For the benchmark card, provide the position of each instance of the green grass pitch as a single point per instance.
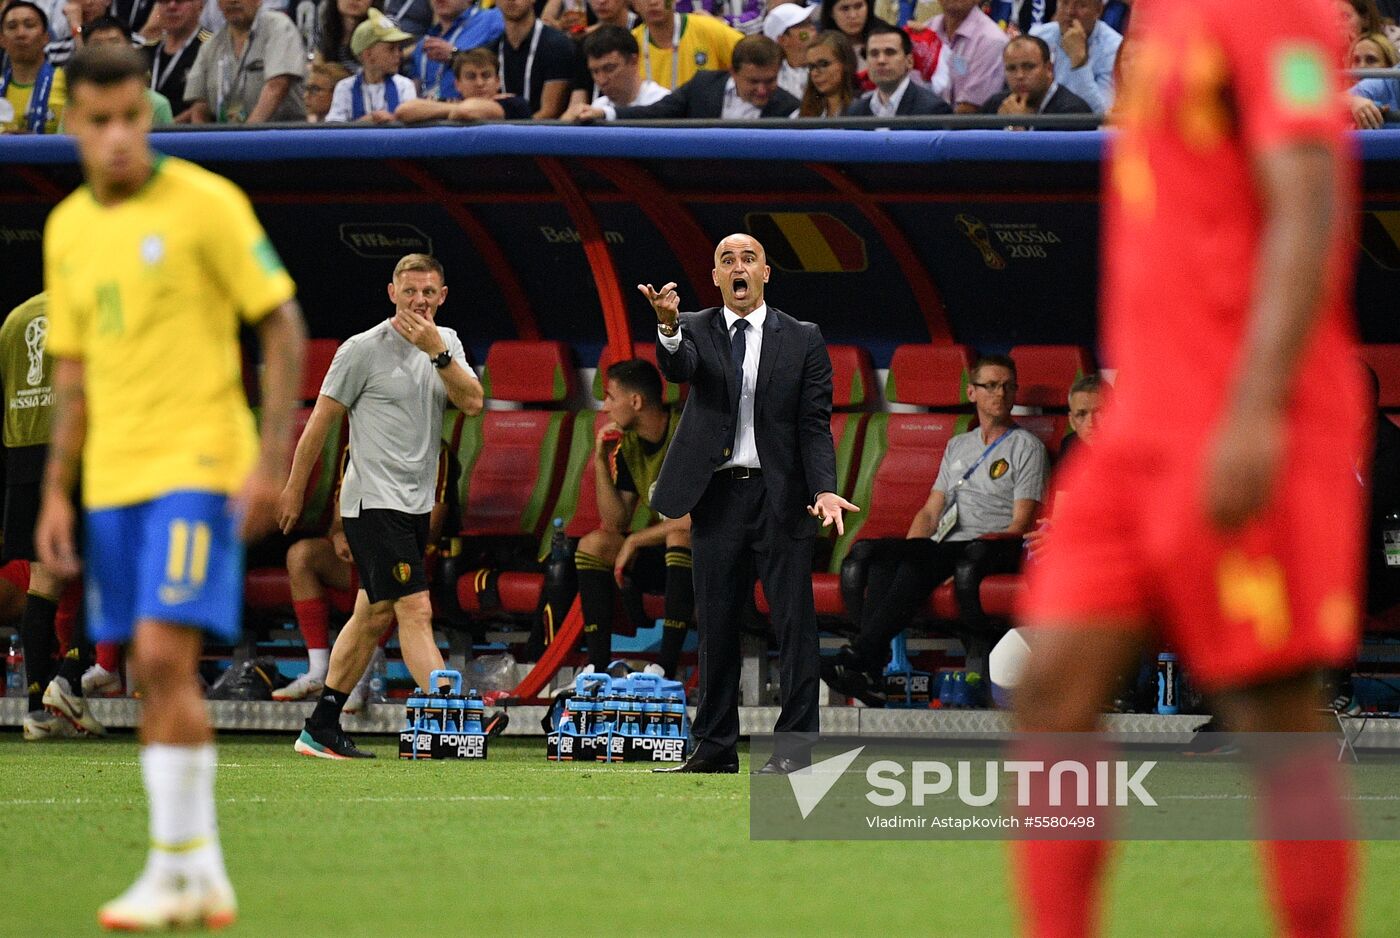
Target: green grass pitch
(520, 846)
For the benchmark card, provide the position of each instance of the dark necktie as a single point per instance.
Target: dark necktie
(736, 356)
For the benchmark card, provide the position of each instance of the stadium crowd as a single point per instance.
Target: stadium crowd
(409, 61)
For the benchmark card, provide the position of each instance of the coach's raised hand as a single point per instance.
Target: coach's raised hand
(666, 302)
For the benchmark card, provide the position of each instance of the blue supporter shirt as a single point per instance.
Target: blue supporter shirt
(475, 27)
(1383, 91)
(1092, 81)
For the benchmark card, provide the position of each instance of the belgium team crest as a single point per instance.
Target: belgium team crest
(402, 571)
(999, 468)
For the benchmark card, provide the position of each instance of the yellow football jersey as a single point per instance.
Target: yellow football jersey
(18, 96)
(706, 44)
(148, 294)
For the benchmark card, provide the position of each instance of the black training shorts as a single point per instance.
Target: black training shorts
(389, 546)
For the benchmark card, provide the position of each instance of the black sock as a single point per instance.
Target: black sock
(327, 712)
(72, 666)
(40, 645)
(680, 608)
(597, 597)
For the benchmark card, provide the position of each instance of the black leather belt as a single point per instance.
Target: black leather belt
(739, 472)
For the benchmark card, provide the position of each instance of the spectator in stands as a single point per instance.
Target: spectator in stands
(78, 14)
(1358, 18)
(1030, 80)
(614, 80)
(832, 85)
(890, 52)
(973, 44)
(600, 13)
(627, 455)
(412, 16)
(1373, 50)
(477, 95)
(251, 71)
(744, 15)
(336, 22)
(575, 17)
(750, 91)
(321, 79)
(376, 93)
(107, 31)
(790, 26)
(536, 61)
(32, 89)
(676, 46)
(989, 488)
(855, 19)
(457, 25)
(174, 51)
(1085, 49)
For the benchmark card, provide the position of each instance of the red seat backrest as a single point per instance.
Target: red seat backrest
(515, 477)
(930, 375)
(1044, 373)
(913, 453)
(852, 376)
(586, 517)
(1050, 428)
(531, 372)
(315, 363)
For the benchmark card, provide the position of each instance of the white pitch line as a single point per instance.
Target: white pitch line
(377, 799)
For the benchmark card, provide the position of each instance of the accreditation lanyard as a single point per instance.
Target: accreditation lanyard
(36, 117)
(160, 76)
(675, 50)
(227, 88)
(357, 96)
(529, 60)
(428, 70)
(949, 518)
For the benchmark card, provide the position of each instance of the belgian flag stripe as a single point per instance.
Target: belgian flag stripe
(814, 254)
(781, 255)
(845, 245)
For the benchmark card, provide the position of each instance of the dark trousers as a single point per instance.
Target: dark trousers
(885, 582)
(733, 535)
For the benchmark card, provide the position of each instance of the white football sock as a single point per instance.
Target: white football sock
(319, 662)
(180, 787)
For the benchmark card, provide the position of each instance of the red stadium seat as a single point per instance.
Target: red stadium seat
(315, 363)
(1385, 362)
(930, 375)
(1051, 429)
(530, 372)
(1045, 373)
(852, 377)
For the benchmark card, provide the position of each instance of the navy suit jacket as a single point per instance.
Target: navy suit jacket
(792, 415)
(917, 100)
(703, 97)
(1063, 101)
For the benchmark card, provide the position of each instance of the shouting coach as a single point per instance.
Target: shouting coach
(751, 460)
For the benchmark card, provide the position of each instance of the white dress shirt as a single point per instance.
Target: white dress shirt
(745, 448)
(881, 108)
(736, 108)
(648, 92)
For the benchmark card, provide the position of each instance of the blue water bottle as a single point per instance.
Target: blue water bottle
(674, 715)
(473, 714)
(1168, 684)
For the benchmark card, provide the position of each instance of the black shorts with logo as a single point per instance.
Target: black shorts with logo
(389, 546)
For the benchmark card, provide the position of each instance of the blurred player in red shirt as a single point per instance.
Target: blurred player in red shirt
(1220, 504)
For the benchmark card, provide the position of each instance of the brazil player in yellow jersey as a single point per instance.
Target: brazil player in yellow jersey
(144, 328)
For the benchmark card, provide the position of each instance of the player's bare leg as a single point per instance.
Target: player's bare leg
(184, 882)
(420, 652)
(1313, 881)
(1058, 694)
(354, 646)
(312, 567)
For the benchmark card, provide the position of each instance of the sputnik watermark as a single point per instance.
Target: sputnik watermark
(1118, 783)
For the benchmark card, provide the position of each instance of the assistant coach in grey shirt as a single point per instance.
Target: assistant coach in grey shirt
(394, 381)
(989, 488)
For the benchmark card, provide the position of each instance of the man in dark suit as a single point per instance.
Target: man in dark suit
(1030, 76)
(889, 52)
(747, 92)
(751, 460)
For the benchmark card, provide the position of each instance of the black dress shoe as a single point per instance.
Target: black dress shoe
(781, 765)
(713, 766)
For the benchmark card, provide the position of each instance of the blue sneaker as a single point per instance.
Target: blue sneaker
(957, 691)
(945, 689)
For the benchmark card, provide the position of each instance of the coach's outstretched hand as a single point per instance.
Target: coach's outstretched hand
(666, 302)
(829, 508)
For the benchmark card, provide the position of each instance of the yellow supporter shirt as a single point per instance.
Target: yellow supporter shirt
(148, 294)
(18, 96)
(705, 45)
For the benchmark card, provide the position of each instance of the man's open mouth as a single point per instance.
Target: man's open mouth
(740, 286)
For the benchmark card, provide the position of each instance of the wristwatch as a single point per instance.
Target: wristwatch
(669, 331)
(442, 359)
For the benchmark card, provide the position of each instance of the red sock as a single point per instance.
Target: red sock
(313, 618)
(1311, 883)
(109, 655)
(65, 620)
(1059, 886)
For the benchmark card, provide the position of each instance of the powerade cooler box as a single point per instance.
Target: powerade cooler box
(639, 718)
(444, 726)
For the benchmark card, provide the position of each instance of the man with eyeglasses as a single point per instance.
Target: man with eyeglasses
(172, 55)
(988, 491)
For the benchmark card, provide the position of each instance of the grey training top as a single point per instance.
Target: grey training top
(231, 84)
(396, 401)
(1016, 469)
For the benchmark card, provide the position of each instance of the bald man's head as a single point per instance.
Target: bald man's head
(741, 270)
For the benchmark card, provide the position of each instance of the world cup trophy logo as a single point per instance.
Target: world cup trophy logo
(976, 232)
(34, 335)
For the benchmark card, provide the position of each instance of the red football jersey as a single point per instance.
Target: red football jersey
(1209, 87)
